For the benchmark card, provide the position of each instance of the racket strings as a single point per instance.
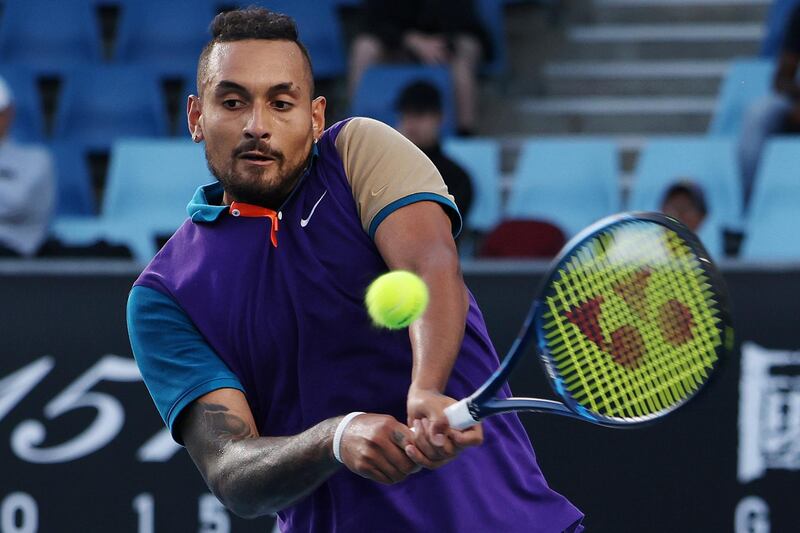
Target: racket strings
(632, 325)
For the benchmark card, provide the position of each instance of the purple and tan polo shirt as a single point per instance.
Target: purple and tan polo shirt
(273, 306)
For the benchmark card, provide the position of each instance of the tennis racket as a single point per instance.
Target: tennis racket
(630, 322)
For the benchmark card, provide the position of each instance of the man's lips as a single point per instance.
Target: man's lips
(256, 158)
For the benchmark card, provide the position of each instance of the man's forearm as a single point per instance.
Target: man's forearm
(254, 476)
(436, 338)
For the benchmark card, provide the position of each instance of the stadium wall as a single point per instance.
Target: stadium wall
(82, 448)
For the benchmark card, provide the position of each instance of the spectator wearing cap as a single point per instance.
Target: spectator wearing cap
(777, 113)
(686, 202)
(27, 188)
(431, 32)
(420, 120)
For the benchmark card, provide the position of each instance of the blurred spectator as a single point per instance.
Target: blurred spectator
(27, 188)
(420, 112)
(686, 202)
(432, 32)
(777, 113)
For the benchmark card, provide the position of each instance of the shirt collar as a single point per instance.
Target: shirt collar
(206, 204)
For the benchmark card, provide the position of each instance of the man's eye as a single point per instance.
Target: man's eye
(280, 104)
(232, 104)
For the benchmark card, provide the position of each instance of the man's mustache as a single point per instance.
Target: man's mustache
(256, 145)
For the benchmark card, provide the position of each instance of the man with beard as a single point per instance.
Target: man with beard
(251, 334)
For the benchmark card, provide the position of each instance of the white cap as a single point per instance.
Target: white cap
(6, 98)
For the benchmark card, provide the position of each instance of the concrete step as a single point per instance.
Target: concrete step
(634, 78)
(662, 41)
(679, 11)
(611, 116)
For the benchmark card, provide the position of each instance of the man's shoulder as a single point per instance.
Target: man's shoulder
(172, 257)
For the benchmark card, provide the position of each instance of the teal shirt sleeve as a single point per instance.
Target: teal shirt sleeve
(177, 364)
(448, 206)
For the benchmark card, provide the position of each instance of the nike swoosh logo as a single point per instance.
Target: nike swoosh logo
(304, 221)
(378, 191)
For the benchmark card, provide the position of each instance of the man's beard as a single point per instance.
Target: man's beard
(250, 187)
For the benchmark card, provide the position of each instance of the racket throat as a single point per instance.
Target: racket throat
(534, 405)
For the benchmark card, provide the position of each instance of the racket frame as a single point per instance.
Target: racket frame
(484, 402)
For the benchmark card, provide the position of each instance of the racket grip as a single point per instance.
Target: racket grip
(458, 415)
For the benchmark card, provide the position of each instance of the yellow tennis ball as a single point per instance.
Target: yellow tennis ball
(396, 299)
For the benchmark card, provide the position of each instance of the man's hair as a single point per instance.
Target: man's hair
(419, 97)
(250, 23)
(690, 189)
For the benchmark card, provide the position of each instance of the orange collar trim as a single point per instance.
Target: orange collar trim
(239, 209)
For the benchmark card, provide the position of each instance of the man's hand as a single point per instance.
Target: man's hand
(436, 443)
(379, 448)
(430, 49)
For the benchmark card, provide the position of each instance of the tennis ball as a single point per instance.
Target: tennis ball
(396, 299)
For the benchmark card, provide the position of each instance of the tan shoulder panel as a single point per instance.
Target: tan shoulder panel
(382, 167)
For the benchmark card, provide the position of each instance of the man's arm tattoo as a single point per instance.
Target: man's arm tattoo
(256, 475)
(224, 425)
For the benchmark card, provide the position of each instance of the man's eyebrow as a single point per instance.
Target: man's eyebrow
(283, 88)
(226, 86)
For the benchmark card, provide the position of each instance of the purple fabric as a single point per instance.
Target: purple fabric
(291, 324)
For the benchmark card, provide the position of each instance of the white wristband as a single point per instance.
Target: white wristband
(337, 437)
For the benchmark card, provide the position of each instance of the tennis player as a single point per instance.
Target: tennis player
(251, 334)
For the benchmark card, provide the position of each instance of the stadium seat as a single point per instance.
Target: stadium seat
(101, 103)
(523, 239)
(746, 81)
(481, 159)
(774, 218)
(380, 86)
(150, 183)
(49, 35)
(28, 123)
(568, 182)
(320, 31)
(775, 26)
(708, 161)
(74, 185)
(165, 35)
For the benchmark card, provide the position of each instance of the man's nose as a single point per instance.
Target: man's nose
(256, 127)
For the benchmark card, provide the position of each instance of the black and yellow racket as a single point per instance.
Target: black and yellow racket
(630, 323)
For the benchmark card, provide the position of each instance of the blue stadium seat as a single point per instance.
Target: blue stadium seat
(74, 185)
(491, 13)
(774, 218)
(380, 86)
(165, 35)
(481, 159)
(708, 161)
(150, 183)
(746, 81)
(28, 123)
(775, 26)
(49, 35)
(101, 103)
(568, 182)
(320, 31)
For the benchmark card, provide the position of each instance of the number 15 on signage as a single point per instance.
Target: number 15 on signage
(27, 437)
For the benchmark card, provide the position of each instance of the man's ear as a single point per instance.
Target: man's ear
(194, 114)
(318, 116)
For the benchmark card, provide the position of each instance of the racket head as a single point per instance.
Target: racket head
(632, 319)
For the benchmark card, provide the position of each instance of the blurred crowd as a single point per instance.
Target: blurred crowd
(430, 37)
